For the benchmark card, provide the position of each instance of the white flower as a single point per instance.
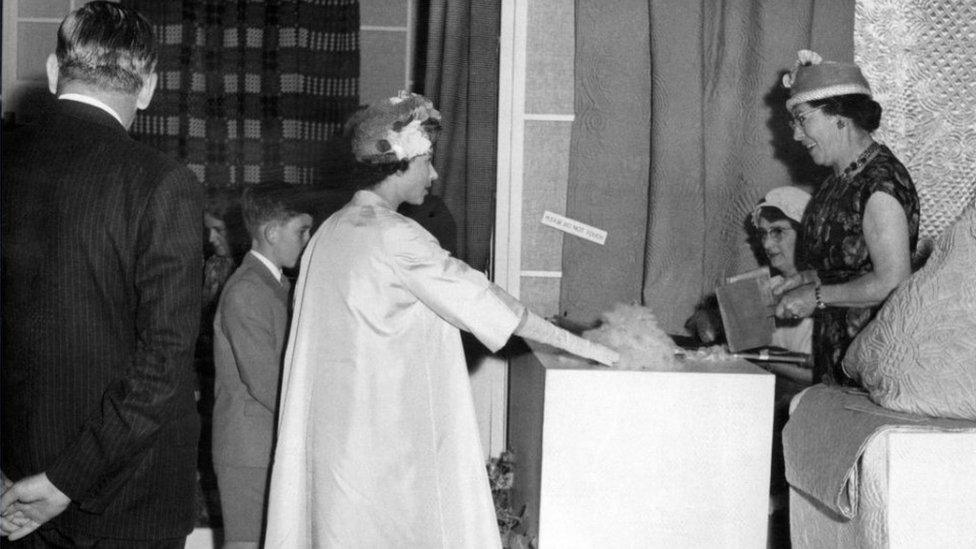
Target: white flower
(807, 57)
(804, 58)
(409, 142)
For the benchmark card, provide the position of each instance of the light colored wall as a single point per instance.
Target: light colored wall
(386, 42)
(536, 117)
(548, 122)
(29, 31)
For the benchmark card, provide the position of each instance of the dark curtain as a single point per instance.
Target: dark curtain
(461, 78)
(251, 91)
(680, 130)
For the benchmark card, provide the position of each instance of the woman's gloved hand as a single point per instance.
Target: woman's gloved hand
(536, 328)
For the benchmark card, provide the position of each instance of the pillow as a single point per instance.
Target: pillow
(919, 354)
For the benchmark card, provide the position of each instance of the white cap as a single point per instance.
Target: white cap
(790, 200)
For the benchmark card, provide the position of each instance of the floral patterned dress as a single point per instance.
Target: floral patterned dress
(216, 270)
(832, 242)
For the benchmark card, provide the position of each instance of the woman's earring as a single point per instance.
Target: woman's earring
(841, 124)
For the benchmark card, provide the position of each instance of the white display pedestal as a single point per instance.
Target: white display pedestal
(615, 458)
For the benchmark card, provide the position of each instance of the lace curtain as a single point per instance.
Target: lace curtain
(918, 56)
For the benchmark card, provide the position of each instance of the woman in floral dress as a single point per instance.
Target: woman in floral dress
(860, 229)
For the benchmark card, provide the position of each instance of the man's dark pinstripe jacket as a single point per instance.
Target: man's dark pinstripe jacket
(101, 286)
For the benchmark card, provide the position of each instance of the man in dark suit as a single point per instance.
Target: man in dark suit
(101, 297)
(250, 328)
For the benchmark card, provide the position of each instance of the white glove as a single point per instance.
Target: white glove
(513, 304)
(536, 328)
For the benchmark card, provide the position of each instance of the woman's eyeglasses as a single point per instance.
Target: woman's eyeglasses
(799, 119)
(776, 233)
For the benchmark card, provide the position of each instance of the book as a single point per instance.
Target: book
(747, 308)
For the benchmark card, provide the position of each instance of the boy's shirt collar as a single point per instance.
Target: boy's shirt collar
(275, 270)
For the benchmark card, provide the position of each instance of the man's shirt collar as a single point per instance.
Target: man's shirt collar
(91, 101)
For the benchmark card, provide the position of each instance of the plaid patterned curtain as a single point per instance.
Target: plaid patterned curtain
(251, 90)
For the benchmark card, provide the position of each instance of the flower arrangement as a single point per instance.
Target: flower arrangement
(501, 478)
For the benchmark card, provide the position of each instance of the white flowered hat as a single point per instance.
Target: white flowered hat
(790, 200)
(813, 78)
(398, 128)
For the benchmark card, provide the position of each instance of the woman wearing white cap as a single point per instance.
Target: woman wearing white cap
(378, 444)
(860, 228)
(777, 222)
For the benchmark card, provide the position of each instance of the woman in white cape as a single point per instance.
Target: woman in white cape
(378, 443)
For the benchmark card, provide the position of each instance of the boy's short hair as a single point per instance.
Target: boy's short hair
(106, 45)
(269, 203)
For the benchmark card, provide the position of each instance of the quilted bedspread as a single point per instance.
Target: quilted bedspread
(827, 434)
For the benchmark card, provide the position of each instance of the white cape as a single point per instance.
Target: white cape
(378, 444)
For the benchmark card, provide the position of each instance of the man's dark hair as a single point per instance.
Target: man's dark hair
(106, 45)
(270, 202)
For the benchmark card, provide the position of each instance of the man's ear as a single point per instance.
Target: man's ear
(147, 91)
(52, 73)
(270, 232)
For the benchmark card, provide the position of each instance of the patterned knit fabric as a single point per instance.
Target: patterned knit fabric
(250, 91)
(918, 56)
